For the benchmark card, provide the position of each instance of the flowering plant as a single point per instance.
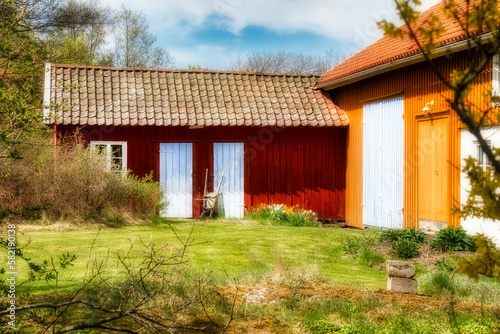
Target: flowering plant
(281, 214)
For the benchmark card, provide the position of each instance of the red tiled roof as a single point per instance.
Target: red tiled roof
(82, 95)
(388, 49)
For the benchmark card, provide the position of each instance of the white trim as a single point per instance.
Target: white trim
(46, 94)
(417, 58)
(495, 82)
(108, 151)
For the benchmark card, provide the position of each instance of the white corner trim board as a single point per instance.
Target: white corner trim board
(46, 94)
(469, 148)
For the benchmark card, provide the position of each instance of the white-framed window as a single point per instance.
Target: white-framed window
(496, 78)
(481, 157)
(115, 152)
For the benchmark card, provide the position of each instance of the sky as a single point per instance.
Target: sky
(214, 33)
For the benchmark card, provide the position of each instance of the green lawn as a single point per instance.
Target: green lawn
(244, 250)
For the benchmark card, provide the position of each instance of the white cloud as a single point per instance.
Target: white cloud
(206, 56)
(337, 19)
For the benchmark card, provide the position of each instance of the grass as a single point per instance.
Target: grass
(308, 268)
(246, 251)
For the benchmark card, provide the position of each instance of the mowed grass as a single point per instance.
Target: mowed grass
(242, 250)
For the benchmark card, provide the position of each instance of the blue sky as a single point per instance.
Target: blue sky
(213, 33)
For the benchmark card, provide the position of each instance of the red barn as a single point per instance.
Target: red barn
(279, 139)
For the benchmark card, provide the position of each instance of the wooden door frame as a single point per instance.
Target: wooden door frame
(436, 115)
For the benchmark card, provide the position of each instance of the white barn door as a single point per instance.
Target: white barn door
(383, 156)
(230, 157)
(176, 170)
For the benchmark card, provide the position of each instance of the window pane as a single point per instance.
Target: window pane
(116, 164)
(100, 148)
(116, 151)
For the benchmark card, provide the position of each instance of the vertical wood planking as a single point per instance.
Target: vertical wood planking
(295, 165)
(419, 85)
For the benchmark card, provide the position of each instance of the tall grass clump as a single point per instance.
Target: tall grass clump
(453, 239)
(411, 234)
(71, 181)
(280, 214)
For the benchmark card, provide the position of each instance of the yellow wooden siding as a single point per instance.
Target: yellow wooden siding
(419, 85)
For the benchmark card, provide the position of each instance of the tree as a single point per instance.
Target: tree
(480, 23)
(80, 40)
(21, 73)
(287, 62)
(134, 44)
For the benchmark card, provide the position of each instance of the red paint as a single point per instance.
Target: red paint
(304, 166)
(54, 136)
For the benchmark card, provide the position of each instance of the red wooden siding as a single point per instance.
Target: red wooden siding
(304, 166)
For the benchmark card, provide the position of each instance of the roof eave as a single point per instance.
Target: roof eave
(410, 60)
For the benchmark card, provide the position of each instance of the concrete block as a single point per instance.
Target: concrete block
(400, 269)
(402, 285)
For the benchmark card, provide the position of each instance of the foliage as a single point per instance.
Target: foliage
(412, 234)
(287, 62)
(323, 327)
(370, 258)
(81, 39)
(135, 44)
(453, 239)
(70, 181)
(356, 245)
(280, 214)
(406, 248)
(21, 61)
(486, 263)
(119, 294)
(448, 263)
(442, 282)
(483, 199)
(362, 248)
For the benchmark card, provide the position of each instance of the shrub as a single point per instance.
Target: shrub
(363, 249)
(69, 181)
(453, 239)
(370, 258)
(412, 234)
(323, 327)
(354, 246)
(280, 214)
(406, 248)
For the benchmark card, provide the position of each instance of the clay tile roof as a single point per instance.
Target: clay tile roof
(388, 49)
(85, 95)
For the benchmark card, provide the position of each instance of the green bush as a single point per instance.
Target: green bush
(406, 248)
(412, 234)
(370, 258)
(354, 246)
(437, 282)
(453, 239)
(323, 327)
(363, 249)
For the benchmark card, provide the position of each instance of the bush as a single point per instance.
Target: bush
(453, 239)
(280, 214)
(406, 248)
(354, 246)
(363, 249)
(370, 258)
(412, 234)
(69, 181)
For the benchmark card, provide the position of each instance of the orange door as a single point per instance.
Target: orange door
(433, 170)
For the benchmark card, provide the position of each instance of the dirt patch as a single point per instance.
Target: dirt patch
(270, 294)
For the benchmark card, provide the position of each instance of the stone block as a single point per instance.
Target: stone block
(400, 269)
(402, 285)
